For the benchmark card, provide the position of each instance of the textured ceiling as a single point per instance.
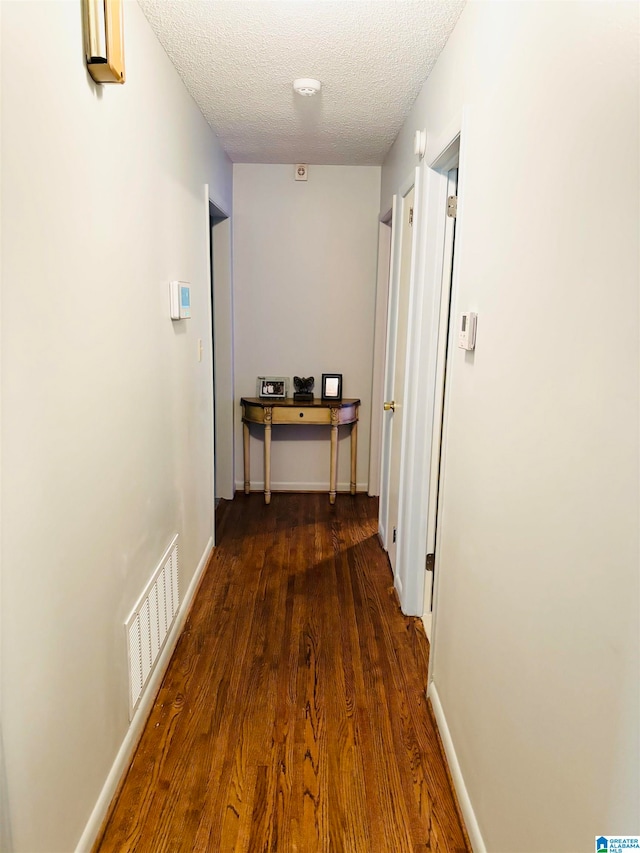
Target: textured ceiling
(238, 58)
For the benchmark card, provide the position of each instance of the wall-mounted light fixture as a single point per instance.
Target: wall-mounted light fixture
(104, 40)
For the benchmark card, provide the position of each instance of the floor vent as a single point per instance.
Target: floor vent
(150, 622)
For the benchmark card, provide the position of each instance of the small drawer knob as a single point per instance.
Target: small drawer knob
(301, 414)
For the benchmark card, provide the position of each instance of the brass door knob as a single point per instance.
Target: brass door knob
(390, 406)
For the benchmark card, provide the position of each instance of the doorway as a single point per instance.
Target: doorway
(222, 352)
(424, 360)
(442, 360)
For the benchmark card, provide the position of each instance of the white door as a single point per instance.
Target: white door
(379, 347)
(444, 335)
(395, 375)
(390, 336)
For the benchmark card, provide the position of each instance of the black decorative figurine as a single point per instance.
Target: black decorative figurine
(304, 388)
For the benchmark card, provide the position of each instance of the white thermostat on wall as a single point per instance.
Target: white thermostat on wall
(467, 331)
(180, 300)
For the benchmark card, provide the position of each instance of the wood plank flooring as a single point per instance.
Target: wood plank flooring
(293, 716)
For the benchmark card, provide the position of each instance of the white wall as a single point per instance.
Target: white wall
(106, 411)
(304, 302)
(5, 829)
(537, 635)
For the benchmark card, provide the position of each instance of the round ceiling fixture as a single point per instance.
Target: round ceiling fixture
(306, 86)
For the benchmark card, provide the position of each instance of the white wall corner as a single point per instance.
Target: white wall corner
(466, 806)
(134, 732)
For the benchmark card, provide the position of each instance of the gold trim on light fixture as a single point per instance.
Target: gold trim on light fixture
(104, 40)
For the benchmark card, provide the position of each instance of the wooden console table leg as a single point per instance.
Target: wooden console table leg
(354, 455)
(267, 454)
(333, 470)
(247, 478)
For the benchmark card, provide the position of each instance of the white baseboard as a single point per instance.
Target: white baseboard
(473, 830)
(258, 486)
(130, 742)
(398, 585)
(427, 621)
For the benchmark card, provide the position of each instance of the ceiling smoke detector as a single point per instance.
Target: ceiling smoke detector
(306, 86)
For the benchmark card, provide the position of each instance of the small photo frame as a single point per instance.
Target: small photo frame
(273, 387)
(332, 386)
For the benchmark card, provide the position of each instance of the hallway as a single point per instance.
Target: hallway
(293, 714)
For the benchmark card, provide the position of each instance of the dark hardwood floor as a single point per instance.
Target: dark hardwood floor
(293, 714)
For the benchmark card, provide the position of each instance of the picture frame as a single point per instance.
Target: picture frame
(272, 387)
(332, 386)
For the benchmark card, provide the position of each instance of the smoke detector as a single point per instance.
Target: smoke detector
(306, 86)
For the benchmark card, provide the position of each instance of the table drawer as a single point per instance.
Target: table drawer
(302, 415)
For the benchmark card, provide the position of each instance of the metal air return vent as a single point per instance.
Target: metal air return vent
(149, 623)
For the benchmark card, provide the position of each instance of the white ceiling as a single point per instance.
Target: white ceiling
(238, 58)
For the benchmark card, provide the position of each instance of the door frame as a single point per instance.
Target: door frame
(446, 152)
(222, 351)
(442, 363)
(443, 153)
(213, 210)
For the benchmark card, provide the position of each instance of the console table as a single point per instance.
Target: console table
(267, 413)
